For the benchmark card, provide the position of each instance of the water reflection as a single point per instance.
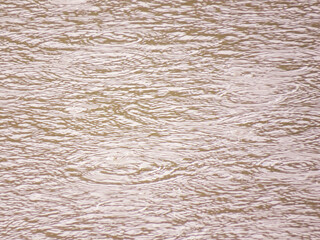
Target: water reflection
(180, 120)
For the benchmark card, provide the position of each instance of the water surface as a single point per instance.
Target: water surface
(159, 120)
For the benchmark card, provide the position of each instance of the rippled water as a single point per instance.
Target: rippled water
(159, 120)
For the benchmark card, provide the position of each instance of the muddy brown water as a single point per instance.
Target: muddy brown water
(159, 119)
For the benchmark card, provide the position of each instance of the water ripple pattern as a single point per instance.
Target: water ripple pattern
(159, 120)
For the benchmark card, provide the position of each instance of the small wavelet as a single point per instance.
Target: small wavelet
(68, 2)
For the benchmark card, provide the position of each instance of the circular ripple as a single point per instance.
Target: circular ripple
(124, 168)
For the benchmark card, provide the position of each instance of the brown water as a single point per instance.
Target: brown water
(160, 120)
